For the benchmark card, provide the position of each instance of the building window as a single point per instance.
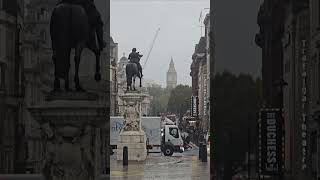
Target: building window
(10, 44)
(39, 16)
(174, 132)
(1, 79)
(1, 52)
(43, 13)
(2, 76)
(318, 10)
(287, 67)
(318, 86)
(43, 35)
(313, 140)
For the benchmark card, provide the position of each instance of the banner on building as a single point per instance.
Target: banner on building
(270, 141)
(194, 106)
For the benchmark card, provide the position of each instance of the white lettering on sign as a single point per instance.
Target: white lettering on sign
(194, 105)
(271, 162)
(304, 99)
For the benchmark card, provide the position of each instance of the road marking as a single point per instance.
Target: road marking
(125, 174)
(167, 163)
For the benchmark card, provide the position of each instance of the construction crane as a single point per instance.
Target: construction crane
(154, 39)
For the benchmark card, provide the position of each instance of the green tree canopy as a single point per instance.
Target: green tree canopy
(179, 100)
(159, 102)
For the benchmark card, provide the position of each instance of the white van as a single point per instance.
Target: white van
(171, 140)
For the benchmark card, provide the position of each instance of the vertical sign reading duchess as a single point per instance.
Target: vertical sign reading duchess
(271, 141)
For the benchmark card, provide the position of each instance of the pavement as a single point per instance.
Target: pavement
(179, 166)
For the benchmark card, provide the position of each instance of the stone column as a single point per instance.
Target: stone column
(132, 134)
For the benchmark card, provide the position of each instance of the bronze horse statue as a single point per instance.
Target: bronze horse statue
(70, 29)
(132, 72)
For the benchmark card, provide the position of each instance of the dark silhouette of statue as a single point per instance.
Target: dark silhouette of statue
(94, 18)
(133, 69)
(73, 27)
(134, 57)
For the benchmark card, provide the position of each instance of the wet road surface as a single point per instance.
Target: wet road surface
(180, 166)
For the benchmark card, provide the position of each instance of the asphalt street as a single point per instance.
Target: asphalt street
(180, 166)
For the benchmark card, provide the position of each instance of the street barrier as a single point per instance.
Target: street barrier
(125, 156)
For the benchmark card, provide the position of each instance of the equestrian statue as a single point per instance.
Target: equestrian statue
(75, 24)
(133, 69)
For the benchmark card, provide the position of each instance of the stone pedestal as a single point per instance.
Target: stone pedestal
(136, 143)
(71, 125)
(132, 134)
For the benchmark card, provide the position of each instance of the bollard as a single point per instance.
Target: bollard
(204, 153)
(125, 156)
(200, 151)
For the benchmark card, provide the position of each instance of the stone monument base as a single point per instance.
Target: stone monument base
(72, 125)
(136, 143)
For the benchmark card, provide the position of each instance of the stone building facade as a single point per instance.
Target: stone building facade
(269, 39)
(270, 21)
(113, 77)
(38, 72)
(296, 72)
(12, 143)
(210, 66)
(121, 78)
(289, 69)
(295, 46)
(199, 77)
(314, 91)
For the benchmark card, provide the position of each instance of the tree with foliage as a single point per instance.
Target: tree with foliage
(179, 100)
(159, 102)
(235, 112)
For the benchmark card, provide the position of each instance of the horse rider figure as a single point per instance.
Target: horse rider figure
(134, 57)
(94, 17)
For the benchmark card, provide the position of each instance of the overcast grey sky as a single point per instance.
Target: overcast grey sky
(235, 28)
(134, 23)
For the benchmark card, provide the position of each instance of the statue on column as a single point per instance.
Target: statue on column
(133, 70)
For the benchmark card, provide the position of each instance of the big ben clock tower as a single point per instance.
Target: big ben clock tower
(171, 76)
